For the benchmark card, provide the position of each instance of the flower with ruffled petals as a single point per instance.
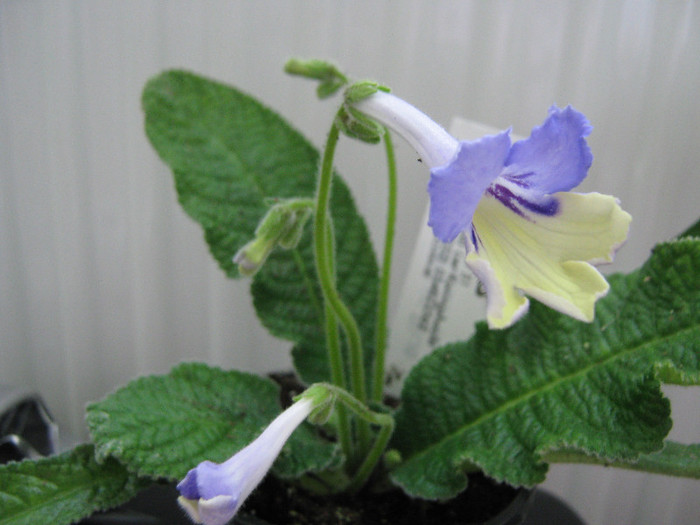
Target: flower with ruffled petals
(525, 232)
(212, 493)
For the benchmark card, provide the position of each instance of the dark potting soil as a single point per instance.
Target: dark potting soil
(282, 504)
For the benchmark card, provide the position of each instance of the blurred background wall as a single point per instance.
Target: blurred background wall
(103, 277)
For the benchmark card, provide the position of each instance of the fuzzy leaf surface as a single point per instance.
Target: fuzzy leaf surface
(63, 489)
(672, 459)
(161, 426)
(505, 398)
(229, 153)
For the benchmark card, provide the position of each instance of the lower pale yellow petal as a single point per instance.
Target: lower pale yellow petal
(546, 257)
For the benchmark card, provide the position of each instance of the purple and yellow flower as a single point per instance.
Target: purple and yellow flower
(526, 234)
(212, 493)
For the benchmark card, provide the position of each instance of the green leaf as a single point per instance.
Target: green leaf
(230, 155)
(505, 398)
(692, 231)
(675, 459)
(63, 489)
(162, 426)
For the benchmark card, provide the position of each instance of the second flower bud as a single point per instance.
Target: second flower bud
(282, 225)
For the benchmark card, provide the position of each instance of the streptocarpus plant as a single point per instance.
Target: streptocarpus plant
(573, 376)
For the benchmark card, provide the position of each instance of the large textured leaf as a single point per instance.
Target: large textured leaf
(63, 489)
(228, 154)
(162, 426)
(505, 398)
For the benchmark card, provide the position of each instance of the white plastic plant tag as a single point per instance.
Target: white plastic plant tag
(440, 300)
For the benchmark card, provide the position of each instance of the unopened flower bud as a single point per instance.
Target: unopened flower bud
(282, 225)
(331, 79)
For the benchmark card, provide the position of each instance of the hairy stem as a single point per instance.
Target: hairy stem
(335, 359)
(324, 257)
(383, 303)
(337, 398)
(338, 379)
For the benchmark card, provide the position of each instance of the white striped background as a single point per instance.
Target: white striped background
(103, 277)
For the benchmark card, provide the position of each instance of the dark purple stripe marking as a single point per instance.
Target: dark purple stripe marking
(474, 240)
(548, 207)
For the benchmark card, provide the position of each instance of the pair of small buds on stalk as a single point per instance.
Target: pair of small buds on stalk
(349, 120)
(284, 222)
(282, 225)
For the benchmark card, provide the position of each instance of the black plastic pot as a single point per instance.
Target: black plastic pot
(529, 507)
(157, 506)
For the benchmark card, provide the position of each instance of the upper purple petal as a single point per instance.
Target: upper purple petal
(555, 157)
(456, 188)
